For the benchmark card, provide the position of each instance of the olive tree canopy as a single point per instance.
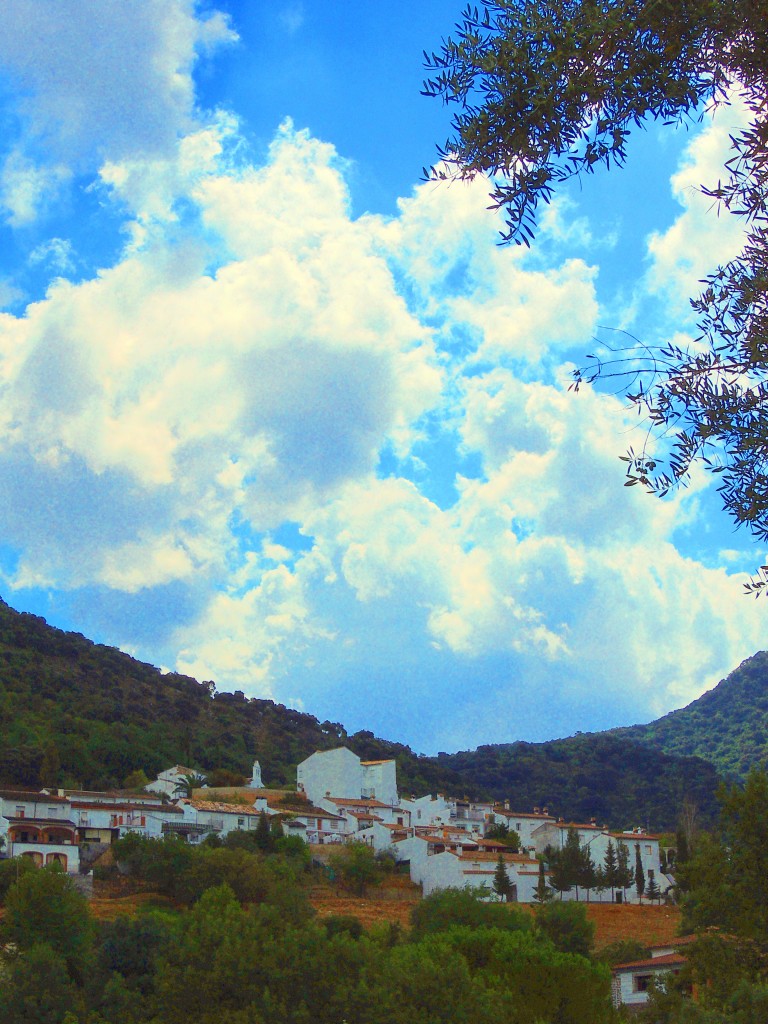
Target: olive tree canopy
(547, 90)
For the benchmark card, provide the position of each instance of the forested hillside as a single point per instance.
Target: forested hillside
(611, 778)
(74, 713)
(77, 713)
(728, 725)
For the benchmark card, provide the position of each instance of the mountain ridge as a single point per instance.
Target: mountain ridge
(727, 725)
(75, 713)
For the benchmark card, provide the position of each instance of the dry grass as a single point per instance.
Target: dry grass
(396, 898)
(108, 908)
(648, 924)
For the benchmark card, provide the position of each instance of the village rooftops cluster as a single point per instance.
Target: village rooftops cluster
(339, 798)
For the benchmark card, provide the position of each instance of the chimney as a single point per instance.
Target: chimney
(506, 805)
(545, 810)
(537, 810)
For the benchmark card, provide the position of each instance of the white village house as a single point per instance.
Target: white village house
(339, 798)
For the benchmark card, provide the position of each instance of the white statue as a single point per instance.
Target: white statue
(256, 782)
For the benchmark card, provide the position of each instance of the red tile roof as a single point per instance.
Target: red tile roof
(670, 960)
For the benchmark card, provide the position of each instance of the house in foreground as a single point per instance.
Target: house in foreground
(632, 981)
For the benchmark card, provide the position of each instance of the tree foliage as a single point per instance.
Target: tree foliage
(544, 92)
(567, 926)
(502, 883)
(726, 878)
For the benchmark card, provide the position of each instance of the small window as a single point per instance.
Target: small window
(51, 812)
(240, 822)
(518, 826)
(641, 982)
(649, 849)
(19, 811)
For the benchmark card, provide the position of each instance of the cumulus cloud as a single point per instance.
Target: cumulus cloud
(95, 81)
(100, 78)
(246, 364)
(261, 388)
(701, 237)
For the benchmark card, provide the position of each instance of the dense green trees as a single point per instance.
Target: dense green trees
(572, 866)
(566, 925)
(726, 878)
(221, 960)
(543, 93)
(44, 907)
(356, 865)
(724, 898)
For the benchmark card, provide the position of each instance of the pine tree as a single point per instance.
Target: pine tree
(652, 892)
(263, 836)
(587, 871)
(542, 893)
(502, 884)
(558, 873)
(573, 860)
(639, 873)
(624, 873)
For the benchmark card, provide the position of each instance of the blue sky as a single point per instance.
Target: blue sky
(280, 414)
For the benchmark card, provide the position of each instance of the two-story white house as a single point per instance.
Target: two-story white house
(39, 826)
(339, 772)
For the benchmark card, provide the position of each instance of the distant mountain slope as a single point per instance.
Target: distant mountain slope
(80, 714)
(74, 713)
(727, 726)
(600, 775)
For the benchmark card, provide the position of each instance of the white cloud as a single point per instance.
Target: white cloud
(105, 79)
(700, 239)
(27, 189)
(261, 389)
(246, 363)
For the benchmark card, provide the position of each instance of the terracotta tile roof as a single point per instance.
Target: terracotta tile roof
(481, 855)
(39, 820)
(680, 940)
(633, 836)
(670, 960)
(222, 808)
(32, 794)
(312, 812)
(345, 801)
(144, 808)
(522, 814)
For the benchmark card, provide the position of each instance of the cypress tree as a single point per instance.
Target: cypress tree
(639, 873)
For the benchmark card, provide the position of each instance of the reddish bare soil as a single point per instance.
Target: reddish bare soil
(108, 908)
(395, 899)
(613, 922)
(650, 925)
